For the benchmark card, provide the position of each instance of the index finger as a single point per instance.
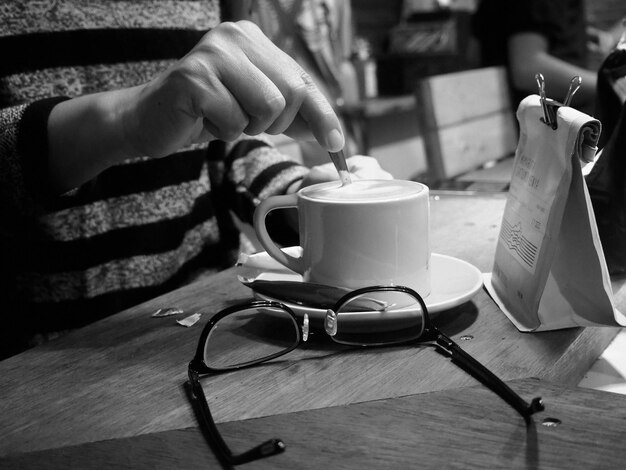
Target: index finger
(320, 117)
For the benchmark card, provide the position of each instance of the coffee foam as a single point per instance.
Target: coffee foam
(363, 190)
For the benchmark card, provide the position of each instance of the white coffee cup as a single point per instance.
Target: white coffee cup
(370, 232)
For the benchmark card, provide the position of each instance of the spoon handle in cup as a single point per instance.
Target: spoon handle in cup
(339, 160)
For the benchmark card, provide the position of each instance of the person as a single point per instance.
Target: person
(540, 36)
(127, 136)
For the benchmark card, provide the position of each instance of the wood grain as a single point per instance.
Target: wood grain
(461, 429)
(124, 375)
(469, 145)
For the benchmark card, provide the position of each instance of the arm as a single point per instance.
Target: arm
(85, 136)
(234, 81)
(528, 55)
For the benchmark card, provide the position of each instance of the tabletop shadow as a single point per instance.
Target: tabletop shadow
(456, 320)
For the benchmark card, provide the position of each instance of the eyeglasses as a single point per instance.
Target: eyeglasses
(258, 331)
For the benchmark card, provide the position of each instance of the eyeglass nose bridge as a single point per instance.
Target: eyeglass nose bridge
(330, 322)
(305, 327)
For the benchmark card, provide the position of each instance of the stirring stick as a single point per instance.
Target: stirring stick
(342, 167)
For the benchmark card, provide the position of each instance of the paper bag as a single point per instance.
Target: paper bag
(549, 271)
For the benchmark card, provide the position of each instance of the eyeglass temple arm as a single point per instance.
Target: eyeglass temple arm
(266, 449)
(488, 378)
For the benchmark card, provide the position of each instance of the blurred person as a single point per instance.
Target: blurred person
(127, 135)
(550, 37)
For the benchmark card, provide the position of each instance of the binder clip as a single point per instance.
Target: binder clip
(551, 106)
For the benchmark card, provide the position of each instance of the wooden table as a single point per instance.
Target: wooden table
(123, 379)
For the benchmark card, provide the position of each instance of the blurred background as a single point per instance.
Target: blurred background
(381, 51)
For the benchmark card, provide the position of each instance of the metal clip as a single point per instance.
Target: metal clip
(574, 85)
(550, 107)
(541, 84)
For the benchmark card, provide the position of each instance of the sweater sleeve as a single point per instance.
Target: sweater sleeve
(24, 155)
(255, 170)
(12, 186)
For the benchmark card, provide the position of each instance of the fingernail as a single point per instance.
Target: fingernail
(335, 140)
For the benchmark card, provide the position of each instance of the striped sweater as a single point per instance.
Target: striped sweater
(139, 228)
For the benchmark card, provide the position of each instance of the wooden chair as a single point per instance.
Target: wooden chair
(467, 123)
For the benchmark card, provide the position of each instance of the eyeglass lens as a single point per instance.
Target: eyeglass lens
(379, 317)
(248, 336)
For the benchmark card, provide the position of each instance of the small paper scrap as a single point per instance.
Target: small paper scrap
(190, 320)
(167, 312)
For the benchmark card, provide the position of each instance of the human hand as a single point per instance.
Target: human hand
(600, 41)
(360, 167)
(234, 81)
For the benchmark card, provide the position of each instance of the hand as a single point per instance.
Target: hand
(360, 166)
(599, 41)
(233, 81)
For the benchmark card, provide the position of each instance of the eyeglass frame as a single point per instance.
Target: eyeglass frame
(430, 335)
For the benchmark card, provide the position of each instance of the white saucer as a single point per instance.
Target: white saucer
(453, 282)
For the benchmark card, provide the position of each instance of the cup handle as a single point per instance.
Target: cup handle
(264, 208)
